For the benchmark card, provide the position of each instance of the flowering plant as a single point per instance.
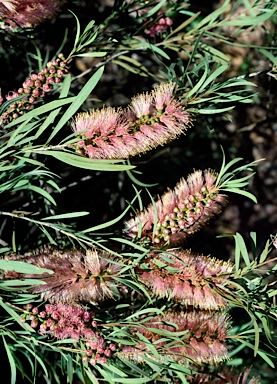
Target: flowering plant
(99, 284)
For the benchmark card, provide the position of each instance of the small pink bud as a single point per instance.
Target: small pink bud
(60, 73)
(92, 361)
(47, 87)
(34, 324)
(36, 93)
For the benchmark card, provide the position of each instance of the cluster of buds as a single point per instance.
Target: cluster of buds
(34, 88)
(61, 321)
(64, 321)
(160, 26)
(203, 340)
(27, 13)
(179, 212)
(152, 119)
(98, 351)
(77, 277)
(191, 280)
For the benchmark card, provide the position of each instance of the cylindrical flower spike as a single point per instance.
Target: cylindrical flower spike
(152, 119)
(77, 277)
(179, 212)
(28, 13)
(187, 278)
(204, 341)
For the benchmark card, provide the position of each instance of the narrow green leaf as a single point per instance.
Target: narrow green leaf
(115, 370)
(78, 101)
(15, 316)
(40, 191)
(91, 54)
(11, 361)
(213, 76)
(265, 252)
(198, 85)
(212, 111)
(155, 9)
(109, 223)
(240, 244)
(21, 283)
(51, 117)
(41, 110)
(85, 162)
(272, 293)
(22, 267)
(66, 215)
(241, 192)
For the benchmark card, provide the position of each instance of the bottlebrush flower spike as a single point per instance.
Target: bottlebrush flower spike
(179, 212)
(28, 13)
(77, 277)
(187, 278)
(203, 343)
(152, 119)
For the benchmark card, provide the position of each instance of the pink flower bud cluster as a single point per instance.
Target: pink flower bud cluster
(28, 13)
(150, 120)
(180, 212)
(77, 277)
(64, 321)
(34, 88)
(159, 27)
(188, 279)
(97, 351)
(204, 341)
(61, 321)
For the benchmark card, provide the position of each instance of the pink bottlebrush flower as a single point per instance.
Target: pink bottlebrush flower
(193, 346)
(77, 277)
(150, 120)
(181, 211)
(28, 13)
(188, 279)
